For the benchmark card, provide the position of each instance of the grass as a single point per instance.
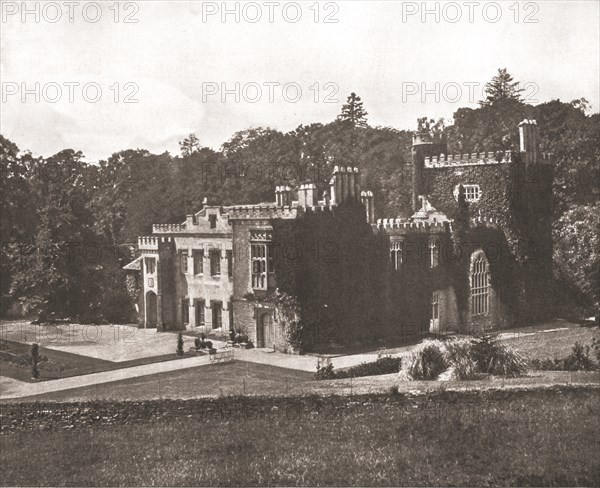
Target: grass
(533, 438)
(555, 344)
(235, 378)
(62, 364)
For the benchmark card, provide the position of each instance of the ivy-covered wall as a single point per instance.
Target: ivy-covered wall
(519, 199)
(336, 267)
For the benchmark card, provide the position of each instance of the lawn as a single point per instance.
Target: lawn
(553, 340)
(542, 437)
(15, 362)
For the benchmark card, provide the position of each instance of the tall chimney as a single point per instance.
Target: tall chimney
(344, 176)
(286, 196)
(278, 200)
(351, 182)
(312, 196)
(529, 140)
(424, 145)
(366, 198)
(302, 196)
(357, 182)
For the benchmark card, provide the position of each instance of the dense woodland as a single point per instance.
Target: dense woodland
(68, 226)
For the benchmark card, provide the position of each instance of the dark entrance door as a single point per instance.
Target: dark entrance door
(265, 327)
(151, 309)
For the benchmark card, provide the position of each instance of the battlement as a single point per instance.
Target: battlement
(168, 228)
(262, 211)
(151, 243)
(485, 222)
(473, 159)
(400, 226)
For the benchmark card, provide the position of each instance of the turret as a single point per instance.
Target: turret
(425, 145)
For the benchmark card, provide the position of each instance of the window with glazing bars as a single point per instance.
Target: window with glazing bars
(480, 289)
(434, 253)
(396, 254)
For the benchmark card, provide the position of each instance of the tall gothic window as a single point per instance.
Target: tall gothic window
(480, 284)
(184, 261)
(261, 258)
(396, 254)
(259, 266)
(198, 261)
(150, 265)
(434, 253)
(215, 262)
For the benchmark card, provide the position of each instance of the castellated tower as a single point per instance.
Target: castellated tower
(512, 188)
(425, 145)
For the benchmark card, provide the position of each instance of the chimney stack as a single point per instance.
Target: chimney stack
(529, 140)
(366, 198)
(312, 196)
(286, 196)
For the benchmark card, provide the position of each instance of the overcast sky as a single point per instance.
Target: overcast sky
(174, 62)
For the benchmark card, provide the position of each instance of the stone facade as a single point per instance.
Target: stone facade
(475, 255)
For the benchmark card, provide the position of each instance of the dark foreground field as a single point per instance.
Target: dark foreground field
(538, 437)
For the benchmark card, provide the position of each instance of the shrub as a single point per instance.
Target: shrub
(596, 348)
(208, 344)
(428, 362)
(383, 365)
(197, 343)
(579, 359)
(458, 349)
(35, 360)
(494, 357)
(464, 368)
(325, 370)
(180, 344)
(549, 364)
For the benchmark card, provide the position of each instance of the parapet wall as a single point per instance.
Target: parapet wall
(168, 228)
(268, 211)
(394, 226)
(151, 243)
(480, 158)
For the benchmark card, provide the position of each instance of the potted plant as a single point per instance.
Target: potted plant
(197, 343)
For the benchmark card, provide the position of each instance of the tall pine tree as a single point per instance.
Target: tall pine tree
(353, 112)
(501, 88)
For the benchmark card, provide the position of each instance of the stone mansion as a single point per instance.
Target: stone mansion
(476, 254)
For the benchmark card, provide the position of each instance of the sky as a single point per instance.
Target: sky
(106, 76)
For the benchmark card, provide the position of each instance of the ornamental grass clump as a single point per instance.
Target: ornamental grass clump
(496, 358)
(463, 359)
(428, 362)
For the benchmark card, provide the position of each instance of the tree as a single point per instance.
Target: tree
(353, 112)
(502, 87)
(189, 145)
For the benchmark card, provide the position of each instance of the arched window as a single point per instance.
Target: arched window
(480, 284)
(396, 254)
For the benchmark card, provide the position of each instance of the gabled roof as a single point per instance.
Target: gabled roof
(135, 265)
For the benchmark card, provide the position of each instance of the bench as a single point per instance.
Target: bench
(222, 356)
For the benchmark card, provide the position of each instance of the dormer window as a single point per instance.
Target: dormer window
(213, 221)
(472, 192)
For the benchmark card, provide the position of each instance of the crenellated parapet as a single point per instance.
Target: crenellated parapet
(488, 222)
(403, 226)
(473, 159)
(152, 243)
(262, 211)
(168, 228)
